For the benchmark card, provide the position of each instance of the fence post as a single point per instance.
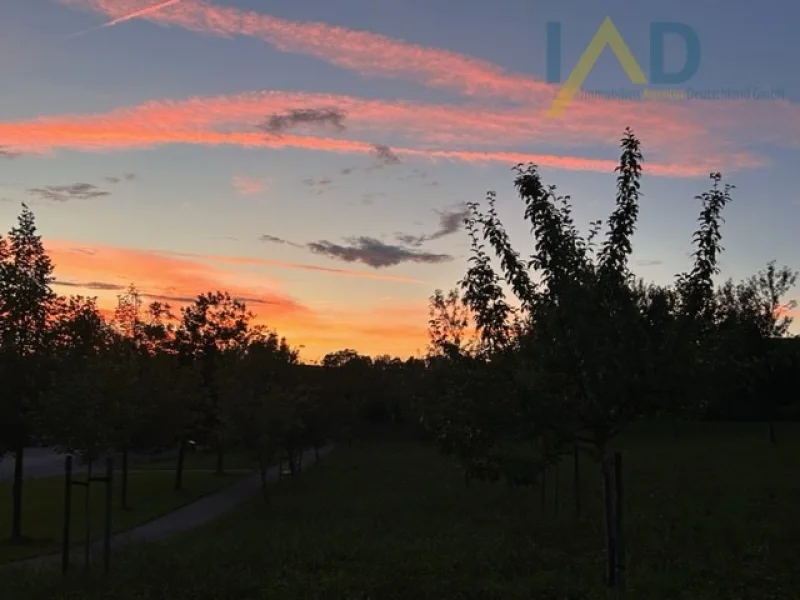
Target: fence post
(109, 505)
(67, 513)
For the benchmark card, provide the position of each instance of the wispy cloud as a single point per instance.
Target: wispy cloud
(65, 193)
(136, 14)
(385, 155)
(360, 51)
(379, 55)
(375, 253)
(247, 186)
(317, 181)
(278, 123)
(240, 260)
(450, 221)
(8, 153)
(118, 179)
(366, 250)
(490, 133)
(274, 239)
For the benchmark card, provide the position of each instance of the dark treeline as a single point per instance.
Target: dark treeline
(509, 386)
(152, 378)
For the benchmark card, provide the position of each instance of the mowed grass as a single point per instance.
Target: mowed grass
(711, 515)
(150, 495)
(204, 461)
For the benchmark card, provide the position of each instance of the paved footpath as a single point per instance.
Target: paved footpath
(188, 517)
(46, 462)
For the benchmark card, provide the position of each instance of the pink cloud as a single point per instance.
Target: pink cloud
(248, 186)
(209, 121)
(374, 54)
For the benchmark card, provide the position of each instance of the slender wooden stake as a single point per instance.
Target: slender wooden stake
(86, 520)
(67, 513)
(109, 506)
(544, 489)
(124, 489)
(618, 518)
(577, 477)
(608, 489)
(556, 469)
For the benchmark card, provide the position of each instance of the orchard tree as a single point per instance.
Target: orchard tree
(751, 317)
(252, 410)
(349, 375)
(590, 338)
(78, 418)
(215, 324)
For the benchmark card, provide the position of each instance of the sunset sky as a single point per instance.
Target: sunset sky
(313, 157)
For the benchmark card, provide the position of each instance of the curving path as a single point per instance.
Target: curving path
(188, 517)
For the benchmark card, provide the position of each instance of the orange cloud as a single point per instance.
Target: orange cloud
(105, 271)
(194, 121)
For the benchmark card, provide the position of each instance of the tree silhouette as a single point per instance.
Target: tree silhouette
(212, 326)
(26, 301)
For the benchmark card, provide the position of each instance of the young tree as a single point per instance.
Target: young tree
(252, 375)
(26, 300)
(78, 419)
(213, 325)
(590, 339)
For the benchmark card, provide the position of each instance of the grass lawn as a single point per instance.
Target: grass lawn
(150, 495)
(712, 515)
(234, 461)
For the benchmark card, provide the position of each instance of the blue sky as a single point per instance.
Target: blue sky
(174, 99)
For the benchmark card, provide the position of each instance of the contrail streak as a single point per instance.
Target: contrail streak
(128, 17)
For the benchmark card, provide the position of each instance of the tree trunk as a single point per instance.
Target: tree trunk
(124, 482)
(676, 430)
(772, 437)
(608, 496)
(300, 462)
(179, 467)
(16, 509)
(316, 452)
